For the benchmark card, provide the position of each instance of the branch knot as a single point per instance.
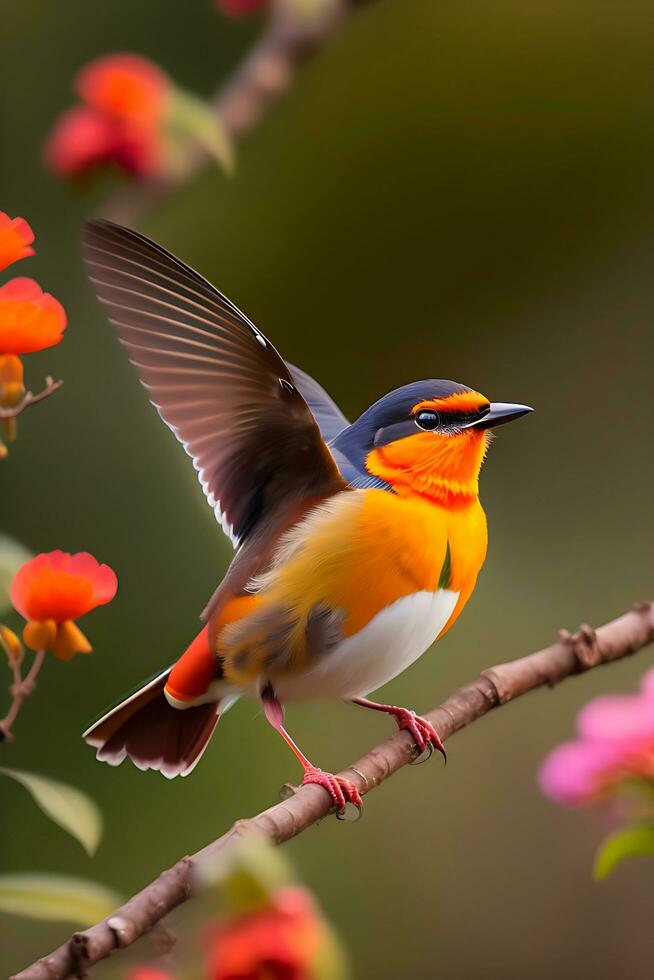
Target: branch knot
(584, 646)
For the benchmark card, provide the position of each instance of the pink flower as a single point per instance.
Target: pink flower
(616, 742)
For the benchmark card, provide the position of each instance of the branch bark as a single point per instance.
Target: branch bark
(571, 654)
(29, 398)
(288, 41)
(21, 689)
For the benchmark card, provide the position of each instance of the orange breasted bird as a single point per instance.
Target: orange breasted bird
(356, 545)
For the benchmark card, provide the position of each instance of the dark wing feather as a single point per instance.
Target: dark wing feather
(325, 410)
(332, 424)
(215, 379)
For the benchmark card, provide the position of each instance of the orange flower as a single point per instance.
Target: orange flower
(52, 590)
(124, 85)
(30, 319)
(280, 942)
(16, 238)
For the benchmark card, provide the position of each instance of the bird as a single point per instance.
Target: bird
(356, 546)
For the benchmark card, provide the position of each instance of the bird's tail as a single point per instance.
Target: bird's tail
(153, 734)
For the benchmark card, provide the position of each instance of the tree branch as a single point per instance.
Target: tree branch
(29, 398)
(571, 654)
(21, 689)
(289, 39)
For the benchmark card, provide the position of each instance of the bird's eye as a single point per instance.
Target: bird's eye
(428, 420)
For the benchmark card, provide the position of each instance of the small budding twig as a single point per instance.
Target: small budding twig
(20, 689)
(571, 654)
(29, 398)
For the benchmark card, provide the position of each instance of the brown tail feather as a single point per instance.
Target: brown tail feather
(153, 734)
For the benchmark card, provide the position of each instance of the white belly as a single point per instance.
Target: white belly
(386, 646)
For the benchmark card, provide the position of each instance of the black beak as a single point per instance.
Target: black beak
(500, 412)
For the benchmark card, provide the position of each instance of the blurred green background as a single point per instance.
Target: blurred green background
(458, 190)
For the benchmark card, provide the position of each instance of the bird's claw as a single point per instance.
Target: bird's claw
(422, 732)
(423, 756)
(345, 796)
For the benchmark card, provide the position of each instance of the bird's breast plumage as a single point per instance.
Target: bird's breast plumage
(363, 566)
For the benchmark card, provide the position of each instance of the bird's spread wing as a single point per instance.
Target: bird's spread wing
(215, 379)
(332, 424)
(325, 410)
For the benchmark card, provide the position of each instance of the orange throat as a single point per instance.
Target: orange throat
(443, 469)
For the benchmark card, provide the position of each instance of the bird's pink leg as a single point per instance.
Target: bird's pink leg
(342, 791)
(422, 731)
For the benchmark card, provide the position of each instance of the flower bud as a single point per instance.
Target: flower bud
(40, 635)
(12, 390)
(69, 641)
(11, 380)
(10, 642)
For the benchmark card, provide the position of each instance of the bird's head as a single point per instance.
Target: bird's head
(429, 437)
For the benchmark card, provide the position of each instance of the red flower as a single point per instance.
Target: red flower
(242, 8)
(83, 140)
(16, 238)
(30, 319)
(280, 942)
(148, 973)
(124, 85)
(122, 122)
(52, 590)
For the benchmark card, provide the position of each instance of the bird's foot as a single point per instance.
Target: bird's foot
(345, 796)
(422, 732)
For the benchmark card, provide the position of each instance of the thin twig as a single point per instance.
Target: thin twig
(29, 398)
(571, 654)
(290, 38)
(21, 689)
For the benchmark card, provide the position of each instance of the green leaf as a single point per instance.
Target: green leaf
(56, 898)
(12, 556)
(191, 119)
(636, 840)
(67, 806)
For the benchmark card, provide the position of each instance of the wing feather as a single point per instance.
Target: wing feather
(216, 381)
(325, 410)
